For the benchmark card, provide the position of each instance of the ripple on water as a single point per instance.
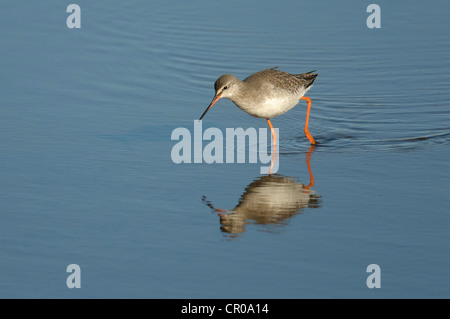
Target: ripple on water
(360, 142)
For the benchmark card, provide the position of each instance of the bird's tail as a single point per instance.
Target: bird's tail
(308, 77)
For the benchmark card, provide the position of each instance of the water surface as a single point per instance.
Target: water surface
(86, 118)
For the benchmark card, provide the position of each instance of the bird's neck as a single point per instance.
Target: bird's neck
(240, 94)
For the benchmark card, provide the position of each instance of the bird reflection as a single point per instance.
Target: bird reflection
(270, 200)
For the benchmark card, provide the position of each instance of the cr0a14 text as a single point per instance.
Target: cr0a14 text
(244, 308)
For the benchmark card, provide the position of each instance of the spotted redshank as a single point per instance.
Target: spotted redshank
(266, 94)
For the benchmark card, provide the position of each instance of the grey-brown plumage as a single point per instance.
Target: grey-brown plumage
(283, 80)
(265, 94)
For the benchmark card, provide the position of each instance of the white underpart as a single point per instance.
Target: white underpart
(274, 105)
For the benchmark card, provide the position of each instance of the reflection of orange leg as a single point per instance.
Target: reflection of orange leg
(274, 145)
(274, 159)
(274, 135)
(308, 135)
(311, 177)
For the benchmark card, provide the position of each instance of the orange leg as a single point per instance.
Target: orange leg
(311, 176)
(308, 135)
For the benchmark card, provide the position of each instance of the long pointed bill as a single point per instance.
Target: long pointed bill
(215, 99)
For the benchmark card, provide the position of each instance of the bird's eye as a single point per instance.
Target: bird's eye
(225, 87)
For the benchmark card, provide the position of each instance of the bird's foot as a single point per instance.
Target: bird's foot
(310, 138)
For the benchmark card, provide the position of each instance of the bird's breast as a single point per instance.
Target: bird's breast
(268, 107)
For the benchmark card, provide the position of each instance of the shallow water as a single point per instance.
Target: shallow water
(86, 118)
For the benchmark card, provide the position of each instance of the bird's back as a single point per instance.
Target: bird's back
(281, 80)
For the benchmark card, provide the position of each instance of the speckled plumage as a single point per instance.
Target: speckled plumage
(267, 93)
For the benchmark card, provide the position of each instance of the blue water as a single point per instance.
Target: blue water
(86, 117)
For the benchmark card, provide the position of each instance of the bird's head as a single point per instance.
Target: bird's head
(226, 86)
